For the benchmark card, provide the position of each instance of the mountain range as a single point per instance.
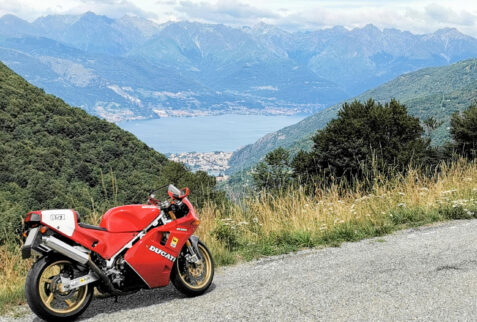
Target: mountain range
(436, 92)
(130, 68)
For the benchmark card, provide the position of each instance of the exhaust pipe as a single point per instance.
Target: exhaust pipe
(65, 249)
(82, 258)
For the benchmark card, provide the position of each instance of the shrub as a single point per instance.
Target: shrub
(366, 138)
(274, 173)
(464, 132)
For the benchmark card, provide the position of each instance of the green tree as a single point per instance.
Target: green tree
(364, 138)
(464, 132)
(274, 173)
(430, 124)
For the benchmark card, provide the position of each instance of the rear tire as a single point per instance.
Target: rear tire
(43, 294)
(192, 279)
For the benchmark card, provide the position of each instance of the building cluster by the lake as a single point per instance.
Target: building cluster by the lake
(297, 109)
(214, 163)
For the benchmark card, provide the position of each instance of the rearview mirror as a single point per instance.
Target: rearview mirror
(178, 194)
(184, 193)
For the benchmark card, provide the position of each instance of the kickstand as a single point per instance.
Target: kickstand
(115, 299)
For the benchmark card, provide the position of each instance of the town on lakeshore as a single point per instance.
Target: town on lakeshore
(214, 163)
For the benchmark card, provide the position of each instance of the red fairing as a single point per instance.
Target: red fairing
(152, 260)
(130, 218)
(154, 268)
(104, 243)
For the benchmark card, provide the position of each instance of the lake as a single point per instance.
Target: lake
(206, 133)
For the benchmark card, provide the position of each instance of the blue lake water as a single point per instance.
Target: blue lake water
(206, 133)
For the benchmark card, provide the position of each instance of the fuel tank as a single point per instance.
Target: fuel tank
(129, 218)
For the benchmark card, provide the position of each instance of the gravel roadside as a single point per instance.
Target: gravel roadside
(428, 273)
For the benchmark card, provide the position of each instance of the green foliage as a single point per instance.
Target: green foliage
(431, 124)
(274, 173)
(456, 212)
(365, 138)
(464, 132)
(56, 156)
(227, 234)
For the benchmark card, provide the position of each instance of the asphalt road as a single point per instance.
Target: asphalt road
(426, 274)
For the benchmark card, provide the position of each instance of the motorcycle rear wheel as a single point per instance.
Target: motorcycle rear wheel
(44, 295)
(193, 279)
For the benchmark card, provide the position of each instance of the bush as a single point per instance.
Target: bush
(365, 139)
(274, 173)
(464, 132)
(227, 234)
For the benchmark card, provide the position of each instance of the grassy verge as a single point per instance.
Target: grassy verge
(13, 271)
(268, 225)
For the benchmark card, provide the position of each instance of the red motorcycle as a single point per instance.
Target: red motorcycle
(134, 247)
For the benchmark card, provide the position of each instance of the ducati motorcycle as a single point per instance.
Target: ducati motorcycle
(134, 247)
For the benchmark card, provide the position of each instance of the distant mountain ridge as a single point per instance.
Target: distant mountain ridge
(436, 92)
(131, 68)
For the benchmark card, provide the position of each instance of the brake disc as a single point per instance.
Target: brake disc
(195, 272)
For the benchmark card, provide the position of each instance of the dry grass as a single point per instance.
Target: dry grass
(13, 271)
(267, 224)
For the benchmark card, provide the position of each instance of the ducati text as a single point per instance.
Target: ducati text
(162, 253)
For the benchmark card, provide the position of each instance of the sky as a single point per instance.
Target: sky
(415, 16)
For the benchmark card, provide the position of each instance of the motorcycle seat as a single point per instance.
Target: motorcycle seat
(88, 226)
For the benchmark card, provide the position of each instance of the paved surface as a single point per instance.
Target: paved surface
(424, 274)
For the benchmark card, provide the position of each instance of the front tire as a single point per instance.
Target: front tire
(44, 295)
(193, 279)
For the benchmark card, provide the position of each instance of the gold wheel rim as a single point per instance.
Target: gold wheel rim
(52, 297)
(206, 264)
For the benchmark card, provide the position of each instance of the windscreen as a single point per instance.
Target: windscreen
(173, 189)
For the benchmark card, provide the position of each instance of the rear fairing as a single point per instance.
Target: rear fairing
(65, 223)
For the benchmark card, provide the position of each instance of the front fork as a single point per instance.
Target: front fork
(192, 245)
(194, 255)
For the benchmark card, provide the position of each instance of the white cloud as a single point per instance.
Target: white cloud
(419, 16)
(32, 9)
(423, 18)
(223, 11)
(111, 8)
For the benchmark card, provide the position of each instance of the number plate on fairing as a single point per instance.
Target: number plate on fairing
(63, 220)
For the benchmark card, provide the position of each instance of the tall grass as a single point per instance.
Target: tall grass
(266, 224)
(13, 272)
(269, 224)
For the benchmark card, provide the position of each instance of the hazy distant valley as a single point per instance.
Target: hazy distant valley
(131, 68)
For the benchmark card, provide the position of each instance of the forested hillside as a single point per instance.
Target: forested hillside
(56, 156)
(431, 92)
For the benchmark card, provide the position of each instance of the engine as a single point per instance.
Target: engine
(121, 275)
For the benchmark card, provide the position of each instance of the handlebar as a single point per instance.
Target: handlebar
(176, 195)
(163, 205)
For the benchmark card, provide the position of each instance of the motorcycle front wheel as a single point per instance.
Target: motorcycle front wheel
(193, 279)
(45, 295)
